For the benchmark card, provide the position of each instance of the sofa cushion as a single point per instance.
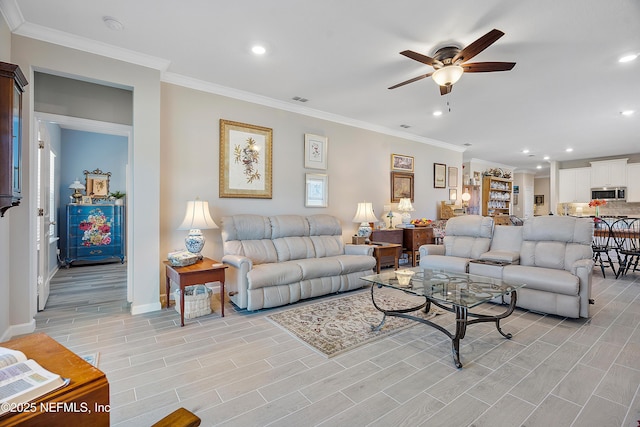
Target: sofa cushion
(543, 279)
(327, 245)
(355, 263)
(468, 236)
(503, 256)
(324, 225)
(274, 274)
(289, 248)
(245, 227)
(288, 225)
(444, 262)
(319, 267)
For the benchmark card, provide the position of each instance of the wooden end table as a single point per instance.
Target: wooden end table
(381, 250)
(205, 271)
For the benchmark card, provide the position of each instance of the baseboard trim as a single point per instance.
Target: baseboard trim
(145, 308)
(22, 329)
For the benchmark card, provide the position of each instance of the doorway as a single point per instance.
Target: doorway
(53, 187)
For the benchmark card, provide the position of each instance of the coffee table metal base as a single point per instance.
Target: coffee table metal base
(462, 319)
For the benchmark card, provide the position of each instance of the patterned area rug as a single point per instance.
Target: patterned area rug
(338, 325)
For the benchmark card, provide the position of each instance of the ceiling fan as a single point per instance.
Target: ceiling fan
(450, 62)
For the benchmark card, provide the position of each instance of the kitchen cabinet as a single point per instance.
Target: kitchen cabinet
(574, 185)
(12, 83)
(609, 173)
(633, 182)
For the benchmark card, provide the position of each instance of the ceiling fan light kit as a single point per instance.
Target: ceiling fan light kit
(450, 62)
(447, 76)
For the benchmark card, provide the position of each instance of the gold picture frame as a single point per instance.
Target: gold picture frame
(97, 183)
(245, 160)
(401, 186)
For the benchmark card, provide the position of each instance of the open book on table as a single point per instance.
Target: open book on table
(23, 380)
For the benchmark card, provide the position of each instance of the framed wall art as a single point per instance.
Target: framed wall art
(315, 151)
(316, 190)
(245, 160)
(401, 163)
(439, 175)
(453, 176)
(453, 194)
(401, 186)
(97, 183)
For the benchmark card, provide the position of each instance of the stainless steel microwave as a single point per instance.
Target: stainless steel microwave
(609, 193)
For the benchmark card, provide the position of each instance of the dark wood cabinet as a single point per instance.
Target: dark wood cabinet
(12, 83)
(414, 238)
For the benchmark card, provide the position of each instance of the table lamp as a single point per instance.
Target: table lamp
(196, 219)
(405, 207)
(364, 215)
(76, 186)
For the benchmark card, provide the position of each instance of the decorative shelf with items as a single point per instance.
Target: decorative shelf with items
(496, 196)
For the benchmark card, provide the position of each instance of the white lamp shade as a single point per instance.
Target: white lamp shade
(466, 197)
(364, 213)
(405, 205)
(446, 76)
(76, 185)
(197, 216)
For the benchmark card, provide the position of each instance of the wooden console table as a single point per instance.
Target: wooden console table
(88, 387)
(204, 271)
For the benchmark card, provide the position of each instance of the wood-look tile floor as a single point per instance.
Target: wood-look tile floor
(242, 370)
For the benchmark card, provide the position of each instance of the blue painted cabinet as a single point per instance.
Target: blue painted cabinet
(95, 233)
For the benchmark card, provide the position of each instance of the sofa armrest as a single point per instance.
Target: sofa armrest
(431, 250)
(235, 281)
(583, 269)
(350, 249)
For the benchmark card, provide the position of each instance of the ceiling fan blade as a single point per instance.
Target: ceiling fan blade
(478, 46)
(487, 67)
(415, 79)
(445, 89)
(419, 57)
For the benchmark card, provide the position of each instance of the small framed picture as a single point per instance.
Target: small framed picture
(316, 190)
(453, 176)
(401, 163)
(86, 200)
(401, 186)
(453, 195)
(439, 175)
(315, 151)
(539, 199)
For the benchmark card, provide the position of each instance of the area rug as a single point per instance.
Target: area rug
(338, 325)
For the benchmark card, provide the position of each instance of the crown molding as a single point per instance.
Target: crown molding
(191, 83)
(72, 41)
(12, 14)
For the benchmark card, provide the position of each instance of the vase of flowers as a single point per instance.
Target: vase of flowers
(597, 203)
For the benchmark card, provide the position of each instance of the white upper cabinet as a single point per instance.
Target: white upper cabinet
(633, 182)
(609, 173)
(574, 185)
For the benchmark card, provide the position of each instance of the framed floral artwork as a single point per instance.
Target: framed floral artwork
(245, 160)
(401, 186)
(439, 175)
(401, 163)
(316, 190)
(315, 151)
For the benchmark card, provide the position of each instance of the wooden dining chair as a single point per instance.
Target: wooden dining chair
(627, 237)
(603, 245)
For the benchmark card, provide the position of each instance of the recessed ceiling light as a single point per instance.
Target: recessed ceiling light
(525, 151)
(568, 150)
(112, 23)
(258, 50)
(437, 113)
(627, 113)
(546, 157)
(538, 167)
(628, 58)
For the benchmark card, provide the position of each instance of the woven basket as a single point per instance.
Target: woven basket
(197, 301)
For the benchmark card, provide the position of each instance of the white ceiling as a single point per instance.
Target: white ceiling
(566, 90)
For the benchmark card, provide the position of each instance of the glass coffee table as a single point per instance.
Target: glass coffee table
(453, 292)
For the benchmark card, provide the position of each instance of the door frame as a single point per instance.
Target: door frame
(87, 125)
